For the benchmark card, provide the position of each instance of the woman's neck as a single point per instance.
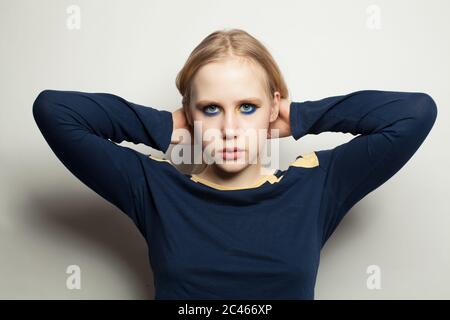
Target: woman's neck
(245, 177)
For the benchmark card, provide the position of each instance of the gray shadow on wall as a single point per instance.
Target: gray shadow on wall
(96, 224)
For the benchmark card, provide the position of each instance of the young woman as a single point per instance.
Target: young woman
(231, 232)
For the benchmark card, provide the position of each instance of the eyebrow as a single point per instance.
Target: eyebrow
(202, 103)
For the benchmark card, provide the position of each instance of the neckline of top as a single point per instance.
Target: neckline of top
(308, 160)
(272, 178)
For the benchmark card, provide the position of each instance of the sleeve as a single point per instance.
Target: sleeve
(390, 125)
(82, 129)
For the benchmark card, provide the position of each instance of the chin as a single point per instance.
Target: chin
(232, 167)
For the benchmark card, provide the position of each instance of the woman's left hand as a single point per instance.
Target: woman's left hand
(282, 123)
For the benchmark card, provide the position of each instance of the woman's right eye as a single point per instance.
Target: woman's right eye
(207, 110)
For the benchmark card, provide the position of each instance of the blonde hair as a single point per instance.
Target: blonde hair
(226, 43)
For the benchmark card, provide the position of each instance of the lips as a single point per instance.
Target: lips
(231, 153)
(231, 149)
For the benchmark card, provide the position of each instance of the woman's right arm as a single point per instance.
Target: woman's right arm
(78, 127)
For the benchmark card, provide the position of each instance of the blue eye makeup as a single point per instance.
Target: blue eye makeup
(248, 109)
(207, 110)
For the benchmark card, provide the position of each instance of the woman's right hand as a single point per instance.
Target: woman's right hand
(180, 122)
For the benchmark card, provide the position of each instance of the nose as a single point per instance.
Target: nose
(230, 126)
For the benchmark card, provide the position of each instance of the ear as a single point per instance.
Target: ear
(275, 108)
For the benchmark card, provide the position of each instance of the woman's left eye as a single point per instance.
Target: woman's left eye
(248, 108)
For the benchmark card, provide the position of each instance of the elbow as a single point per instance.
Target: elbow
(41, 108)
(424, 109)
(42, 99)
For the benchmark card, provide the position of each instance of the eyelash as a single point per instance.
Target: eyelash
(213, 113)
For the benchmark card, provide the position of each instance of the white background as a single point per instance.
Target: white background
(50, 220)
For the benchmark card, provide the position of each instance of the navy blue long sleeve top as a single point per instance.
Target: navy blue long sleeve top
(207, 241)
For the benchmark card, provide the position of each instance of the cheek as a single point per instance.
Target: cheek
(257, 126)
(259, 120)
(207, 133)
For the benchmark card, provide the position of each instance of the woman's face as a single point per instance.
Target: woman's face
(230, 108)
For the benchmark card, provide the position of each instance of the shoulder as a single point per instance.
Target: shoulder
(159, 163)
(159, 159)
(163, 165)
(313, 159)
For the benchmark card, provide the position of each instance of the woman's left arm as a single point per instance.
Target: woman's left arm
(391, 126)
